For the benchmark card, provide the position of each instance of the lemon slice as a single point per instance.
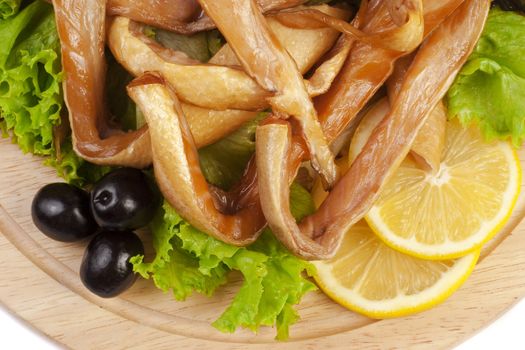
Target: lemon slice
(369, 277)
(451, 212)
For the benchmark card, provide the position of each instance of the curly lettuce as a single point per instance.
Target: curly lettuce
(188, 260)
(9, 8)
(30, 76)
(72, 168)
(490, 89)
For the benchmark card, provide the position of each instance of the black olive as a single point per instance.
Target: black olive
(124, 199)
(62, 212)
(105, 269)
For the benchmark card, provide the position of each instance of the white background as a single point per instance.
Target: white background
(506, 333)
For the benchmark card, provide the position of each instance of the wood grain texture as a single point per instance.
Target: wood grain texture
(39, 283)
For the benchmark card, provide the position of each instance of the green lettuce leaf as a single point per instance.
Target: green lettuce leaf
(9, 8)
(72, 168)
(174, 268)
(200, 46)
(301, 202)
(223, 162)
(263, 299)
(188, 260)
(30, 76)
(490, 89)
(215, 41)
(195, 46)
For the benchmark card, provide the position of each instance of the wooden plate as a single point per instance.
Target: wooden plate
(39, 283)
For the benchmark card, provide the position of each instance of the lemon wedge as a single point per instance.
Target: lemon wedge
(369, 277)
(451, 212)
